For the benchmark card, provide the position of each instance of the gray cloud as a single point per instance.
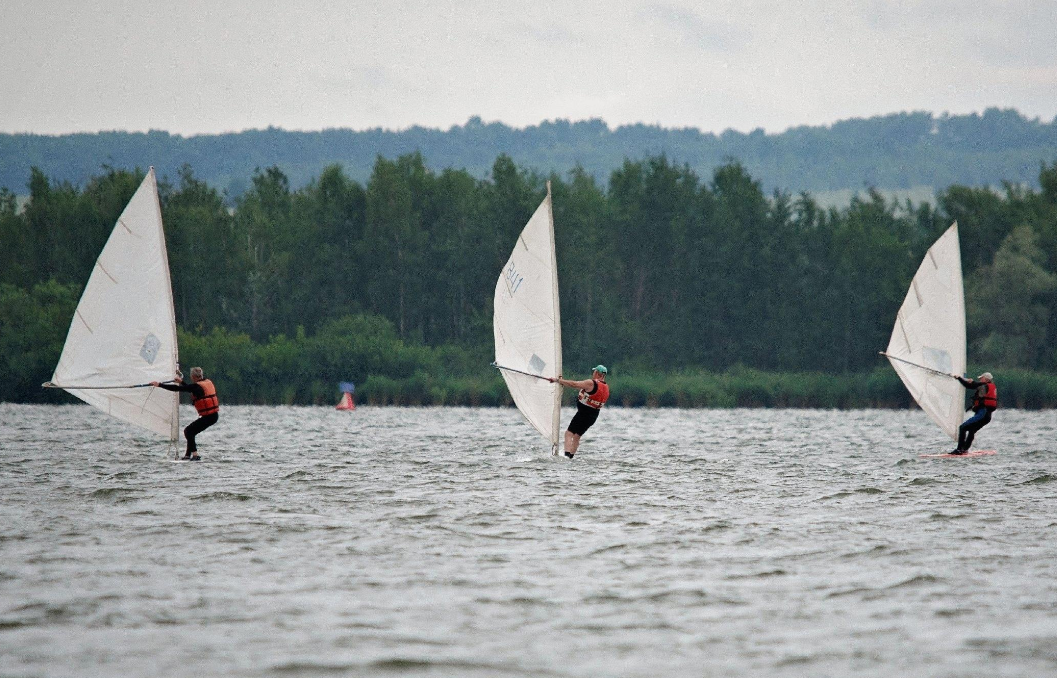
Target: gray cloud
(204, 66)
(549, 35)
(1001, 33)
(693, 30)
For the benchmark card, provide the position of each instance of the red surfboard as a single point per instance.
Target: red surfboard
(974, 453)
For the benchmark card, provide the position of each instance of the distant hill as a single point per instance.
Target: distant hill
(895, 152)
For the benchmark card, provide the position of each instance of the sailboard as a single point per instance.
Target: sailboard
(123, 332)
(927, 347)
(973, 453)
(527, 324)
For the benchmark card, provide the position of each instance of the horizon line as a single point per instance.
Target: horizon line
(475, 120)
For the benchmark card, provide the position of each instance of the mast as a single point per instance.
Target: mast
(174, 429)
(556, 430)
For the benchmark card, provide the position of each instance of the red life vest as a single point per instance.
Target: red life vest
(596, 399)
(208, 404)
(989, 399)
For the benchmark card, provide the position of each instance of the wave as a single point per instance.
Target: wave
(919, 580)
(848, 493)
(607, 549)
(124, 475)
(1039, 480)
(945, 516)
(408, 664)
(858, 590)
(222, 496)
(873, 551)
(116, 494)
(766, 574)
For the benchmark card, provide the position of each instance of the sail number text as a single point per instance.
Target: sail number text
(513, 278)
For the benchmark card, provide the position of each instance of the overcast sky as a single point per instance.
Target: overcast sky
(196, 66)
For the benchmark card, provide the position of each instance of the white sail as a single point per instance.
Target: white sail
(124, 329)
(930, 333)
(527, 324)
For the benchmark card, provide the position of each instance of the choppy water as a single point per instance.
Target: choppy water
(444, 542)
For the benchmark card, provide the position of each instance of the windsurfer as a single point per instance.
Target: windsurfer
(204, 398)
(985, 401)
(594, 393)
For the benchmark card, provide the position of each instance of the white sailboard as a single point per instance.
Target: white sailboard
(123, 333)
(527, 324)
(928, 341)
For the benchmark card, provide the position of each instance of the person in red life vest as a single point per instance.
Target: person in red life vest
(594, 393)
(985, 401)
(204, 398)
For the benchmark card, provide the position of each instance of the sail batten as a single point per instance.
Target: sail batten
(928, 339)
(123, 333)
(527, 324)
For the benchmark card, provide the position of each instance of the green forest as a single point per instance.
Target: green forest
(896, 151)
(695, 291)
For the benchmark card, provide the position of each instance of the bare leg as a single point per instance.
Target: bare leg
(572, 442)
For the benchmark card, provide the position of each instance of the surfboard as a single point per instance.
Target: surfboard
(974, 453)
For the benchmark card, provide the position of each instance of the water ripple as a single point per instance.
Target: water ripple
(447, 542)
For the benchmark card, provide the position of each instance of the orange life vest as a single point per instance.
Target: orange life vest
(208, 404)
(596, 399)
(989, 399)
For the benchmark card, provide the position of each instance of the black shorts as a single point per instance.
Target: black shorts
(584, 419)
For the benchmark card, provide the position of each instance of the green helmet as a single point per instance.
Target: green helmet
(601, 369)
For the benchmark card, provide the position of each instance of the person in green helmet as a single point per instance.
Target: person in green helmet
(594, 393)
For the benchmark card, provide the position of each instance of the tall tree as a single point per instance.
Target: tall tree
(393, 243)
(264, 229)
(329, 216)
(200, 237)
(588, 268)
(1009, 303)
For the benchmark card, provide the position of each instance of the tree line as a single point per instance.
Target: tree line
(660, 271)
(897, 151)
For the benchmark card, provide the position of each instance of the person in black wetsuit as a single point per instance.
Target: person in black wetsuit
(594, 393)
(204, 398)
(985, 401)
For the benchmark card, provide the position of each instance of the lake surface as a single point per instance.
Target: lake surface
(446, 542)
